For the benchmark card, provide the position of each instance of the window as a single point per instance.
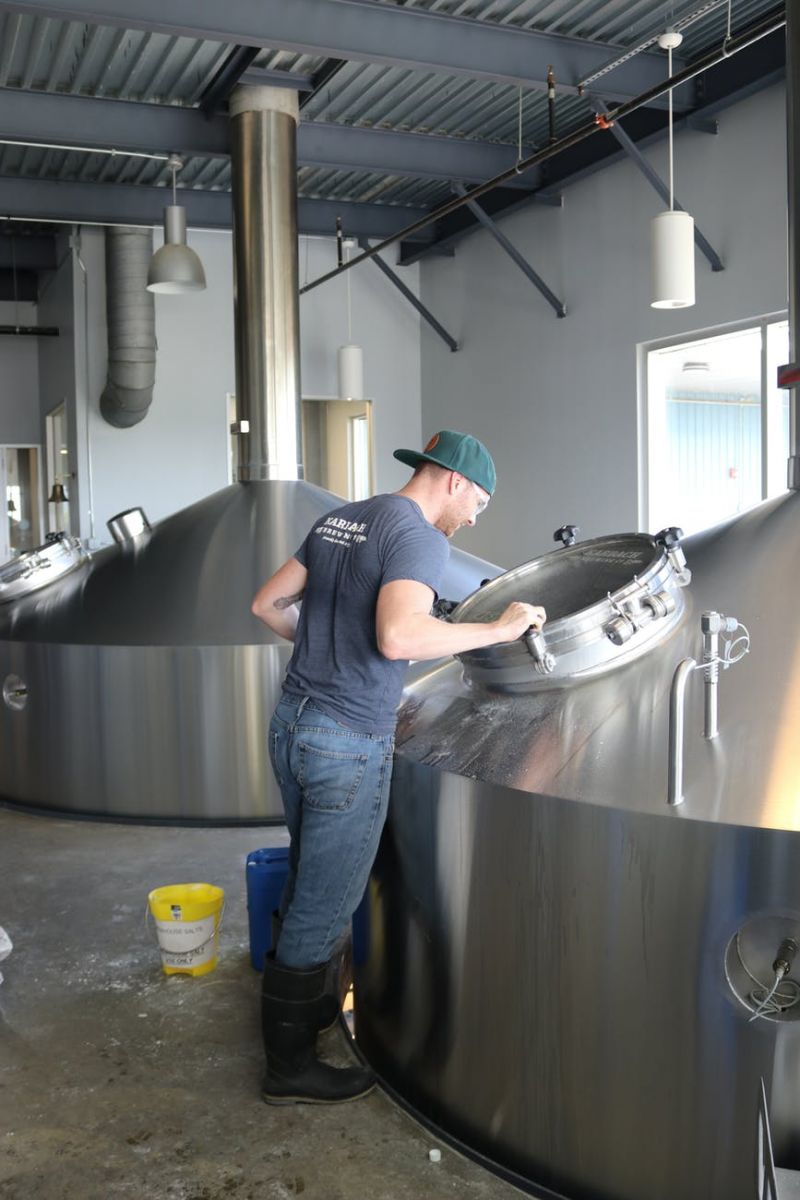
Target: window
(716, 426)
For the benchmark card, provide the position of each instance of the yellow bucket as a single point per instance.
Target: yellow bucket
(187, 918)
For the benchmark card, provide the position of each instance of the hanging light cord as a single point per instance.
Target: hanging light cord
(14, 276)
(349, 308)
(671, 171)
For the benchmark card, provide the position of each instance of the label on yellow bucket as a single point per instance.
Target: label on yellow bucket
(186, 943)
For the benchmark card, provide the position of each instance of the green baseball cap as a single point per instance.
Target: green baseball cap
(455, 452)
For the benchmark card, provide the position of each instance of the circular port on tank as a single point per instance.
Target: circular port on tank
(15, 692)
(608, 601)
(762, 966)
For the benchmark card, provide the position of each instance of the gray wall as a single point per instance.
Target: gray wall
(179, 452)
(387, 328)
(556, 400)
(19, 378)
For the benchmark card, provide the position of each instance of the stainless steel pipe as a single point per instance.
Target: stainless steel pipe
(677, 722)
(793, 259)
(267, 328)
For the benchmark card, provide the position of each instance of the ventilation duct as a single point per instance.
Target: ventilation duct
(130, 312)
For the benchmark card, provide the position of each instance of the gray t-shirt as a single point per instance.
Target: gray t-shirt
(349, 555)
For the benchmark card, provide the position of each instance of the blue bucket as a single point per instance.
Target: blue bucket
(265, 872)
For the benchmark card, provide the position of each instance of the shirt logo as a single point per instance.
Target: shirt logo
(341, 532)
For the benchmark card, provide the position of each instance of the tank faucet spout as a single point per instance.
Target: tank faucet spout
(677, 712)
(712, 624)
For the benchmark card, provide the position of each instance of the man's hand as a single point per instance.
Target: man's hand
(517, 619)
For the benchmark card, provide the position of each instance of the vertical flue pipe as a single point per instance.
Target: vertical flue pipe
(267, 314)
(793, 148)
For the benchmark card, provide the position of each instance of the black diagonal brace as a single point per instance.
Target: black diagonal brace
(412, 299)
(513, 253)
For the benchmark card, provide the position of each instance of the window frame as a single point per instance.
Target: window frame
(643, 351)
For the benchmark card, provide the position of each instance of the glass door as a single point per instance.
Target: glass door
(21, 524)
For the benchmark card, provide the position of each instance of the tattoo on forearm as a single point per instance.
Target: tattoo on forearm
(287, 601)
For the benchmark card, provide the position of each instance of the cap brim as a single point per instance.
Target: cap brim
(412, 458)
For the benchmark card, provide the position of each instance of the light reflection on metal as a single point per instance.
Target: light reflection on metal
(530, 856)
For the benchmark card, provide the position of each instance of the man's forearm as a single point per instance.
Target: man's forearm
(279, 614)
(275, 602)
(421, 637)
(405, 631)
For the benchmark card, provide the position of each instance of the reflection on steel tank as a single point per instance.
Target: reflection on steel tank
(136, 681)
(589, 883)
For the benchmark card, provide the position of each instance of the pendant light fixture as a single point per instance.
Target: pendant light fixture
(175, 267)
(672, 232)
(350, 358)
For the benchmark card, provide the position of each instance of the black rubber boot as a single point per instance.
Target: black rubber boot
(329, 1006)
(289, 1005)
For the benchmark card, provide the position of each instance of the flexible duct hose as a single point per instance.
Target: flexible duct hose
(130, 312)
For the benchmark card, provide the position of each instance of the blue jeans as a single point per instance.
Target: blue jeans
(335, 788)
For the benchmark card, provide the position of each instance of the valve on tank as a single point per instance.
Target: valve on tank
(543, 660)
(670, 539)
(442, 608)
(712, 625)
(567, 535)
(637, 613)
(758, 965)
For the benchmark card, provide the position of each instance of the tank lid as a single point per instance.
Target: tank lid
(37, 568)
(608, 601)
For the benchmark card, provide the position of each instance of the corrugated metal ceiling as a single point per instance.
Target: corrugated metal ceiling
(43, 54)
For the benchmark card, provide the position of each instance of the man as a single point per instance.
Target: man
(368, 574)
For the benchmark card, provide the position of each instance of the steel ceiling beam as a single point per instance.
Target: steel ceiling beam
(163, 128)
(760, 65)
(110, 124)
(125, 204)
(424, 156)
(364, 31)
(270, 77)
(413, 300)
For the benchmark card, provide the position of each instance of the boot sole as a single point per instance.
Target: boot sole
(279, 1100)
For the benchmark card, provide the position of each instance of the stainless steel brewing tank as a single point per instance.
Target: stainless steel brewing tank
(136, 682)
(558, 967)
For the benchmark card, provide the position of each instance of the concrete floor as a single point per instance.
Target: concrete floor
(117, 1081)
